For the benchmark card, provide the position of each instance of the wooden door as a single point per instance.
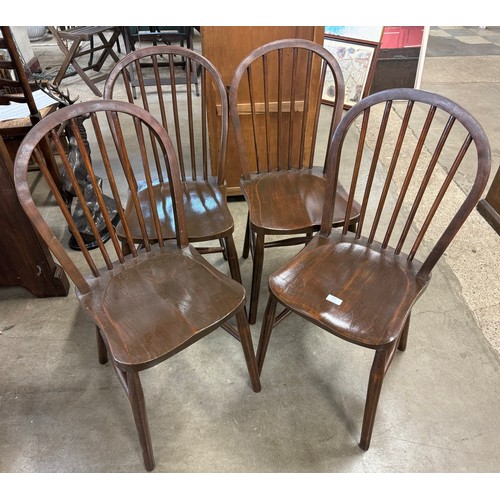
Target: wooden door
(225, 47)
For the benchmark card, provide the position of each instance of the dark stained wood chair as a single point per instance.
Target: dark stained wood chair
(158, 300)
(276, 93)
(167, 93)
(362, 286)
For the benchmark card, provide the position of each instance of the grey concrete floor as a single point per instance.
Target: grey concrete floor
(60, 411)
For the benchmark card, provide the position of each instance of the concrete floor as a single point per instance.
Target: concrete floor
(60, 411)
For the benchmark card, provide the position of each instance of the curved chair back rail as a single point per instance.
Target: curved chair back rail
(167, 79)
(167, 93)
(415, 159)
(283, 82)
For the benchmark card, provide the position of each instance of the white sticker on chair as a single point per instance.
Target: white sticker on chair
(335, 300)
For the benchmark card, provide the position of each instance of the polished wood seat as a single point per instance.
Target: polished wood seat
(158, 299)
(351, 271)
(362, 286)
(138, 338)
(169, 94)
(280, 189)
(205, 207)
(275, 106)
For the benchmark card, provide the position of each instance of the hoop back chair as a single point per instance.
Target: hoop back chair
(158, 300)
(167, 93)
(362, 286)
(276, 93)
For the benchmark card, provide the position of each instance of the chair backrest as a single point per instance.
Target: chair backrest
(112, 154)
(17, 88)
(425, 141)
(166, 91)
(276, 94)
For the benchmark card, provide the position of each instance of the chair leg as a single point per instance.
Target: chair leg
(246, 243)
(374, 387)
(136, 397)
(222, 243)
(258, 263)
(126, 248)
(247, 345)
(232, 258)
(102, 351)
(404, 335)
(266, 330)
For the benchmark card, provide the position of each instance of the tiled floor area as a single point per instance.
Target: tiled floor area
(60, 411)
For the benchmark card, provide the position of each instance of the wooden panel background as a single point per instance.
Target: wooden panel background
(225, 47)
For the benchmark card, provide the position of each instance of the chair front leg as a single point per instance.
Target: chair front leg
(102, 351)
(404, 335)
(258, 264)
(232, 258)
(136, 397)
(377, 374)
(247, 345)
(266, 330)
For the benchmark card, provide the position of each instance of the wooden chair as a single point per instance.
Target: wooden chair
(276, 93)
(72, 44)
(158, 300)
(362, 286)
(171, 100)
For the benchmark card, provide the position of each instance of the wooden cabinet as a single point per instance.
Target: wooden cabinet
(225, 47)
(24, 258)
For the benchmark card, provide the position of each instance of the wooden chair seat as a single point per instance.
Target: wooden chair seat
(302, 191)
(341, 267)
(205, 208)
(143, 340)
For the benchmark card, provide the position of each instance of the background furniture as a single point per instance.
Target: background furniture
(400, 58)
(16, 87)
(489, 207)
(25, 259)
(362, 286)
(72, 43)
(168, 35)
(225, 47)
(275, 102)
(170, 98)
(162, 298)
(154, 35)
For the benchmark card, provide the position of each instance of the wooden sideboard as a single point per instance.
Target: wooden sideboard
(225, 47)
(24, 258)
